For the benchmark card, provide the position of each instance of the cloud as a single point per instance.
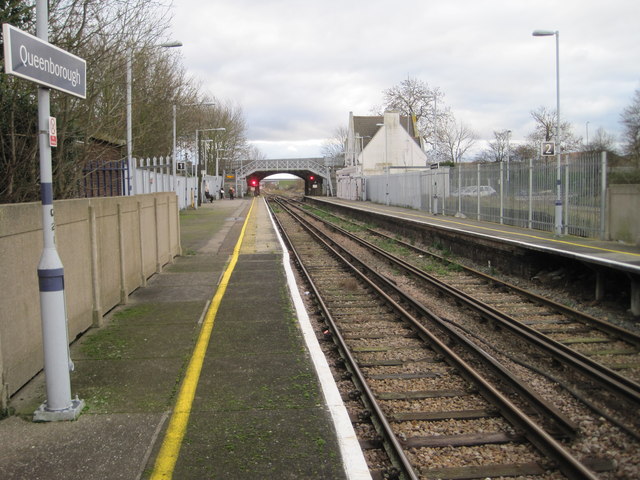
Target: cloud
(298, 68)
(290, 148)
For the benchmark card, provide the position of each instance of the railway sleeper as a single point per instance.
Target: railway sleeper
(420, 394)
(507, 470)
(394, 362)
(463, 440)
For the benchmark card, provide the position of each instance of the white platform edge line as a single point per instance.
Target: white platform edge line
(533, 246)
(353, 460)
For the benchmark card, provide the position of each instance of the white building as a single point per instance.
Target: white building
(373, 144)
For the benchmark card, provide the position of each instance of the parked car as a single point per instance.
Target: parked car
(472, 191)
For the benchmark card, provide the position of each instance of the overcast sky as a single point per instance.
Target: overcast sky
(298, 67)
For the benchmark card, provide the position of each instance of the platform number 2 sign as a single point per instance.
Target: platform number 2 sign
(548, 149)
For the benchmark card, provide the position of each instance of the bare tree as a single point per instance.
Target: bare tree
(99, 32)
(455, 139)
(499, 147)
(18, 145)
(631, 122)
(545, 131)
(104, 34)
(334, 147)
(251, 152)
(415, 99)
(233, 140)
(223, 148)
(601, 141)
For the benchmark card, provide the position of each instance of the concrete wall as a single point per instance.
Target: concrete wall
(108, 247)
(623, 215)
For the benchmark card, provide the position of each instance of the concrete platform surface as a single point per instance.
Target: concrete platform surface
(625, 257)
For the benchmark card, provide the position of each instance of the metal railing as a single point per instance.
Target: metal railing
(519, 194)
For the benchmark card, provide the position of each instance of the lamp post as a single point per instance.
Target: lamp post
(175, 148)
(206, 155)
(435, 128)
(218, 157)
(587, 134)
(361, 180)
(361, 138)
(129, 115)
(385, 158)
(508, 151)
(558, 209)
(218, 129)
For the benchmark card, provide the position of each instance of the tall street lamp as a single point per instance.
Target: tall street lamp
(218, 129)
(587, 135)
(129, 120)
(558, 210)
(175, 147)
(218, 150)
(361, 138)
(508, 132)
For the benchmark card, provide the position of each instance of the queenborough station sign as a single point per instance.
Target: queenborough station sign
(33, 59)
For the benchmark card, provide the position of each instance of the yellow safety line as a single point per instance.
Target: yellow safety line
(511, 233)
(170, 449)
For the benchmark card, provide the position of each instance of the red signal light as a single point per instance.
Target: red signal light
(253, 182)
(312, 178)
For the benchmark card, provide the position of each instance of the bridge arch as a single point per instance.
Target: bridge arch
(313, 171)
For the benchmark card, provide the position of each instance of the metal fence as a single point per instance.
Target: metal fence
(153, 175)
(103, 178)
(519, 194)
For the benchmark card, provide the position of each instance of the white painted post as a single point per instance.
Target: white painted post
(531, 193)
(501, 193)
(122, 266)
(603, 195)
(95, 269)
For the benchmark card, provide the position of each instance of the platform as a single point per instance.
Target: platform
(598, 255)
(258, 409)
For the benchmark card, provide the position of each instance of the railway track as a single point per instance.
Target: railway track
(435, 415)
(604, 357)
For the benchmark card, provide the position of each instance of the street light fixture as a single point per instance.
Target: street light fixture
(361, 138)
(218, 129)
(129, 116)
(558, 209)
(218, 157)
(175, 148)
(587, 135)
(206, 155)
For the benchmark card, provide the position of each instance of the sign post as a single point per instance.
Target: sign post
(33, 58)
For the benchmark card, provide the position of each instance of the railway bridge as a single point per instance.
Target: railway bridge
(314, 171)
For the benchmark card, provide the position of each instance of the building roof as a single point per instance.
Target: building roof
(367, 127)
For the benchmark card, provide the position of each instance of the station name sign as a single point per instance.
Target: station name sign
(31, 58)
